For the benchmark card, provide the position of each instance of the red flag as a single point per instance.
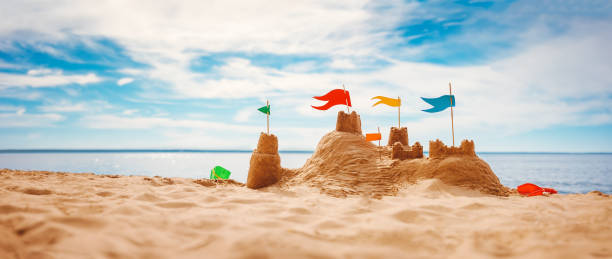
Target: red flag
(334, 97)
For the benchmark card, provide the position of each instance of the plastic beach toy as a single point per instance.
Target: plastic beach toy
(219, 173)
(530, 189)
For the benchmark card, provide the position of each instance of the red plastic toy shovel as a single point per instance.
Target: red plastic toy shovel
(530, 189)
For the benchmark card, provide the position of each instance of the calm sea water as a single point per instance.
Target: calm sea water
(568, 173)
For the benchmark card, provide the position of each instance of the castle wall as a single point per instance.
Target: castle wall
(265, 165)
(348, 122)
(401, 153)
(437, 149)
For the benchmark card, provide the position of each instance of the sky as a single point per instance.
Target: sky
(528, 76)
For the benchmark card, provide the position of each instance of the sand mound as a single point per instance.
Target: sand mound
(344, 163)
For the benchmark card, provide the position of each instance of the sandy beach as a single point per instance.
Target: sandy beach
(68, 215)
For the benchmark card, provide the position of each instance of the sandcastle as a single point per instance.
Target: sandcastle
(344, 163)
(398, 141)
(265, 165)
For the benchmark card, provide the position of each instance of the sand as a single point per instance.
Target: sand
(66, 215)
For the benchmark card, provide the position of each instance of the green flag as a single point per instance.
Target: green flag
(265, 109)
(219, 173)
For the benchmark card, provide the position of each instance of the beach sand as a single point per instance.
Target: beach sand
(67, 215)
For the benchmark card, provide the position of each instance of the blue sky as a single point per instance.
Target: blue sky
(528, 75)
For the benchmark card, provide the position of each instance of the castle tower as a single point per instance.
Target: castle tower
(348, 122)
(265, 166)
(398, 135)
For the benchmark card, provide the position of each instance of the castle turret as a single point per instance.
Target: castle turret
(265, 166)
(398, 135)
(348, 122)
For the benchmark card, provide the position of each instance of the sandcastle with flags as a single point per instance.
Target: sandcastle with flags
(346, 162)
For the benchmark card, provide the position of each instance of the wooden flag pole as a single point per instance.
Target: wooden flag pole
(268, 117)
(379, 154)
(450, 91)
(398, 113)
(345, 100)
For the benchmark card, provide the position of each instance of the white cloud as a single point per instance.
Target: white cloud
(174, 34)
(130, 111)
(244, 115)
(45, 78)
(124, 81)
(17, 93)
(21, 120)
(7, 65)
(64, 107)
(342, 64)
(9, 108)
(19, 110)
(118, 122)
(67, 106)
(43, 71)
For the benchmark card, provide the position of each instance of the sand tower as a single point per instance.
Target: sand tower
(398, 135)
(348, 122)
(398, 140)
(265, 166)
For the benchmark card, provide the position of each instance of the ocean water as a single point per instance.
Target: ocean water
(567, 173)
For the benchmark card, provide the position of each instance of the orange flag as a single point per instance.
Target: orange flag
(373, 136)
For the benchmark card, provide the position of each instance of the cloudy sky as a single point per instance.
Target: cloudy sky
(527, 75)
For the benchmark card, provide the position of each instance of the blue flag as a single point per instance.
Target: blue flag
(441, 103)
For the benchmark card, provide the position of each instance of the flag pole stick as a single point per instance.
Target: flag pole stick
(268, 117)
(379, 154)
(398, 113)
(345, 100)
(450, 91)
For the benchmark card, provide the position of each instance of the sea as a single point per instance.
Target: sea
(565, 172)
